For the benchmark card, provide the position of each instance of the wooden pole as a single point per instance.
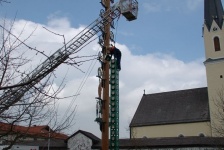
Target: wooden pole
(105, 109)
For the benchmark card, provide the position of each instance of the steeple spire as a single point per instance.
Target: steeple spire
(213, 11)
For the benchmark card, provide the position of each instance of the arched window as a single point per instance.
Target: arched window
(201, 135)
(217, 44)
(180, 135)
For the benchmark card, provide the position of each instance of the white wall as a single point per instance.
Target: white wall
(79, 142)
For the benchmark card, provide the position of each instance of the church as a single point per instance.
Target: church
(192, 112)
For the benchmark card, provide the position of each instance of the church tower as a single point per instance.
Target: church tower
(213, 32)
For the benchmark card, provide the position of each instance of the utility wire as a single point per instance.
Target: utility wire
(86, 76)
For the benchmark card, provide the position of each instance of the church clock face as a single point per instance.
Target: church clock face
(215, 29)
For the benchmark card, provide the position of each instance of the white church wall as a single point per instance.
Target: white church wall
(172, 130)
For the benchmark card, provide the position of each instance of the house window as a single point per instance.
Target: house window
(217, 44)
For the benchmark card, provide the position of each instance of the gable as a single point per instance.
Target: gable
(183, 106)
(79, 141)
(82, 140)
(91, 136)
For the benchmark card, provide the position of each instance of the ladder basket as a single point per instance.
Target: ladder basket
(129, 9)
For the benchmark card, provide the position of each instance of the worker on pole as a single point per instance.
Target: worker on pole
(117, 55)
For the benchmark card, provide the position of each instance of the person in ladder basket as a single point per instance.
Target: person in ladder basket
(117, 55)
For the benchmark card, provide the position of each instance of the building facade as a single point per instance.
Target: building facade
(214, 52)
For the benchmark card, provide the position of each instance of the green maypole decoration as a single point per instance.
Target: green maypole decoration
(114, 106)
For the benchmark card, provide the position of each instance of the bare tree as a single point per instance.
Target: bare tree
(39, 103)
(4, 1)
(217, 121)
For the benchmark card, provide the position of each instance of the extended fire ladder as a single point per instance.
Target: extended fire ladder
(12, 96)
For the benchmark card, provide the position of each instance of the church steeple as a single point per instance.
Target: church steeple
(213, 11)
(214, 52)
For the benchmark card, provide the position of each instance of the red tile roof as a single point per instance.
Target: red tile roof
(37, 131)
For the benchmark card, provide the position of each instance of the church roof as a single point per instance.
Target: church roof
(213, 10)
(94, 138)
(56, 144)
(183, 106)
(169, 143)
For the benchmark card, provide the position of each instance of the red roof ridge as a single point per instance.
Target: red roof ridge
(40, 131)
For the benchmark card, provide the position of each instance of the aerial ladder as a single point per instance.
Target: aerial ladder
(12, 96)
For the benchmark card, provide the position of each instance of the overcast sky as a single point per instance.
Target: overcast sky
(162, 50)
